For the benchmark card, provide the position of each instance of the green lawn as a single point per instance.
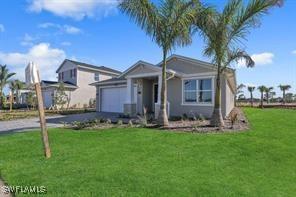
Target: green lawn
(145, 162)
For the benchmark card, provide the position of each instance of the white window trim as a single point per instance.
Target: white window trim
(197, 90)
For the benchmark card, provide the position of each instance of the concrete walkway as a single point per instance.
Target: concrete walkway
(13, 126)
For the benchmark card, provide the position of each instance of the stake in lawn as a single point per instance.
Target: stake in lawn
(33, 79)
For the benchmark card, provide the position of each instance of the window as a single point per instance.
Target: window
(190, 91)
(197, 91)
(97, 76)
(205, 91)
(73, 73)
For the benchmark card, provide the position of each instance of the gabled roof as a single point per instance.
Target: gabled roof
(149, 65)
(99, 68)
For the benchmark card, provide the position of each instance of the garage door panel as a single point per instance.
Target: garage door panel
(113, 99)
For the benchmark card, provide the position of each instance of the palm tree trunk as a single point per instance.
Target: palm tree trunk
(217, 119)
(284, 97)
(261, 104)
(11, 102)
(267, 95)
(1, 98)
(162, 116)
(252, 103)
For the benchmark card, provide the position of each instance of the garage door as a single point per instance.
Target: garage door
(112, 99)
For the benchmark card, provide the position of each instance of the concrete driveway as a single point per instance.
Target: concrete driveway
(52, 121)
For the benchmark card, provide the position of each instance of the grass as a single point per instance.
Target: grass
(22, 114)
(142, 162)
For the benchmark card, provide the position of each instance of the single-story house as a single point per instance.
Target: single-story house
(190, 88)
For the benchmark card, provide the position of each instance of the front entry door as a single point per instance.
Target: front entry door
(155, 95)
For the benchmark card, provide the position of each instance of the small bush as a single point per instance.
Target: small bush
(130, 123)
(119, 122)
(109, 121)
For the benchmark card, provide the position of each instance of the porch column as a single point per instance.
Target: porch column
(159, 89)
(130, 91)
(130, 108)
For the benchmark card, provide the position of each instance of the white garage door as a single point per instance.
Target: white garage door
(112, 99)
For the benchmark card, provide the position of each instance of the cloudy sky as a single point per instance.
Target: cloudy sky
(94, 31)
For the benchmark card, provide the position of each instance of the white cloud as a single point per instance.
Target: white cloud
(2, 29)
(63, 28)
(76, 9)
(66, 43)
(71, 30)
(259, 59)
(294, 52)
(28, 40)
(47, 58)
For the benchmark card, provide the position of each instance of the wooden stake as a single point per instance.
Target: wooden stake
(44, 132)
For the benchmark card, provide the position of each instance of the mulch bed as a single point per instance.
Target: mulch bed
(197, 126)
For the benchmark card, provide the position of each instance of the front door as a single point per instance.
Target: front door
(155, 95)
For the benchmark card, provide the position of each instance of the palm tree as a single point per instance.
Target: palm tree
(19, 86)
(251, 90)
(267, 92)
(13, 87)
(4, 80)
(239, 91)
(223, 32)
(272, 94)
(169, 24)
(284, 88)
(262, 89)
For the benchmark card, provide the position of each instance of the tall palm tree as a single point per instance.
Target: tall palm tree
(251, 90)
(223, 32)
(169, 24)
(5, 75)
(284, 88)
(12, 87)
(262, 89)
(267, 92)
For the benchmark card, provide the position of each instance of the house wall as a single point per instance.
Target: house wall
(227, 97)
(147, 95)
(66, 69)
(175, 101)
(47, 94)
(187, 67)
(85, 92)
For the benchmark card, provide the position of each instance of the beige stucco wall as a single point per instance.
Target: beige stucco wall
(85, 92)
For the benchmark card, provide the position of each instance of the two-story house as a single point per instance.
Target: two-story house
(76, 77)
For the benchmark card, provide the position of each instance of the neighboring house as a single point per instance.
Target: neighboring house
(190, 89)
(76, 77)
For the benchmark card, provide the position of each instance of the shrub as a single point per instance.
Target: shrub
(108, 121)
(130, 123)
(119, 122)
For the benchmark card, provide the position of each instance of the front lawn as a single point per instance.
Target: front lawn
(146, 162)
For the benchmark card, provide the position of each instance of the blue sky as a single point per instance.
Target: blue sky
(96, 32)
